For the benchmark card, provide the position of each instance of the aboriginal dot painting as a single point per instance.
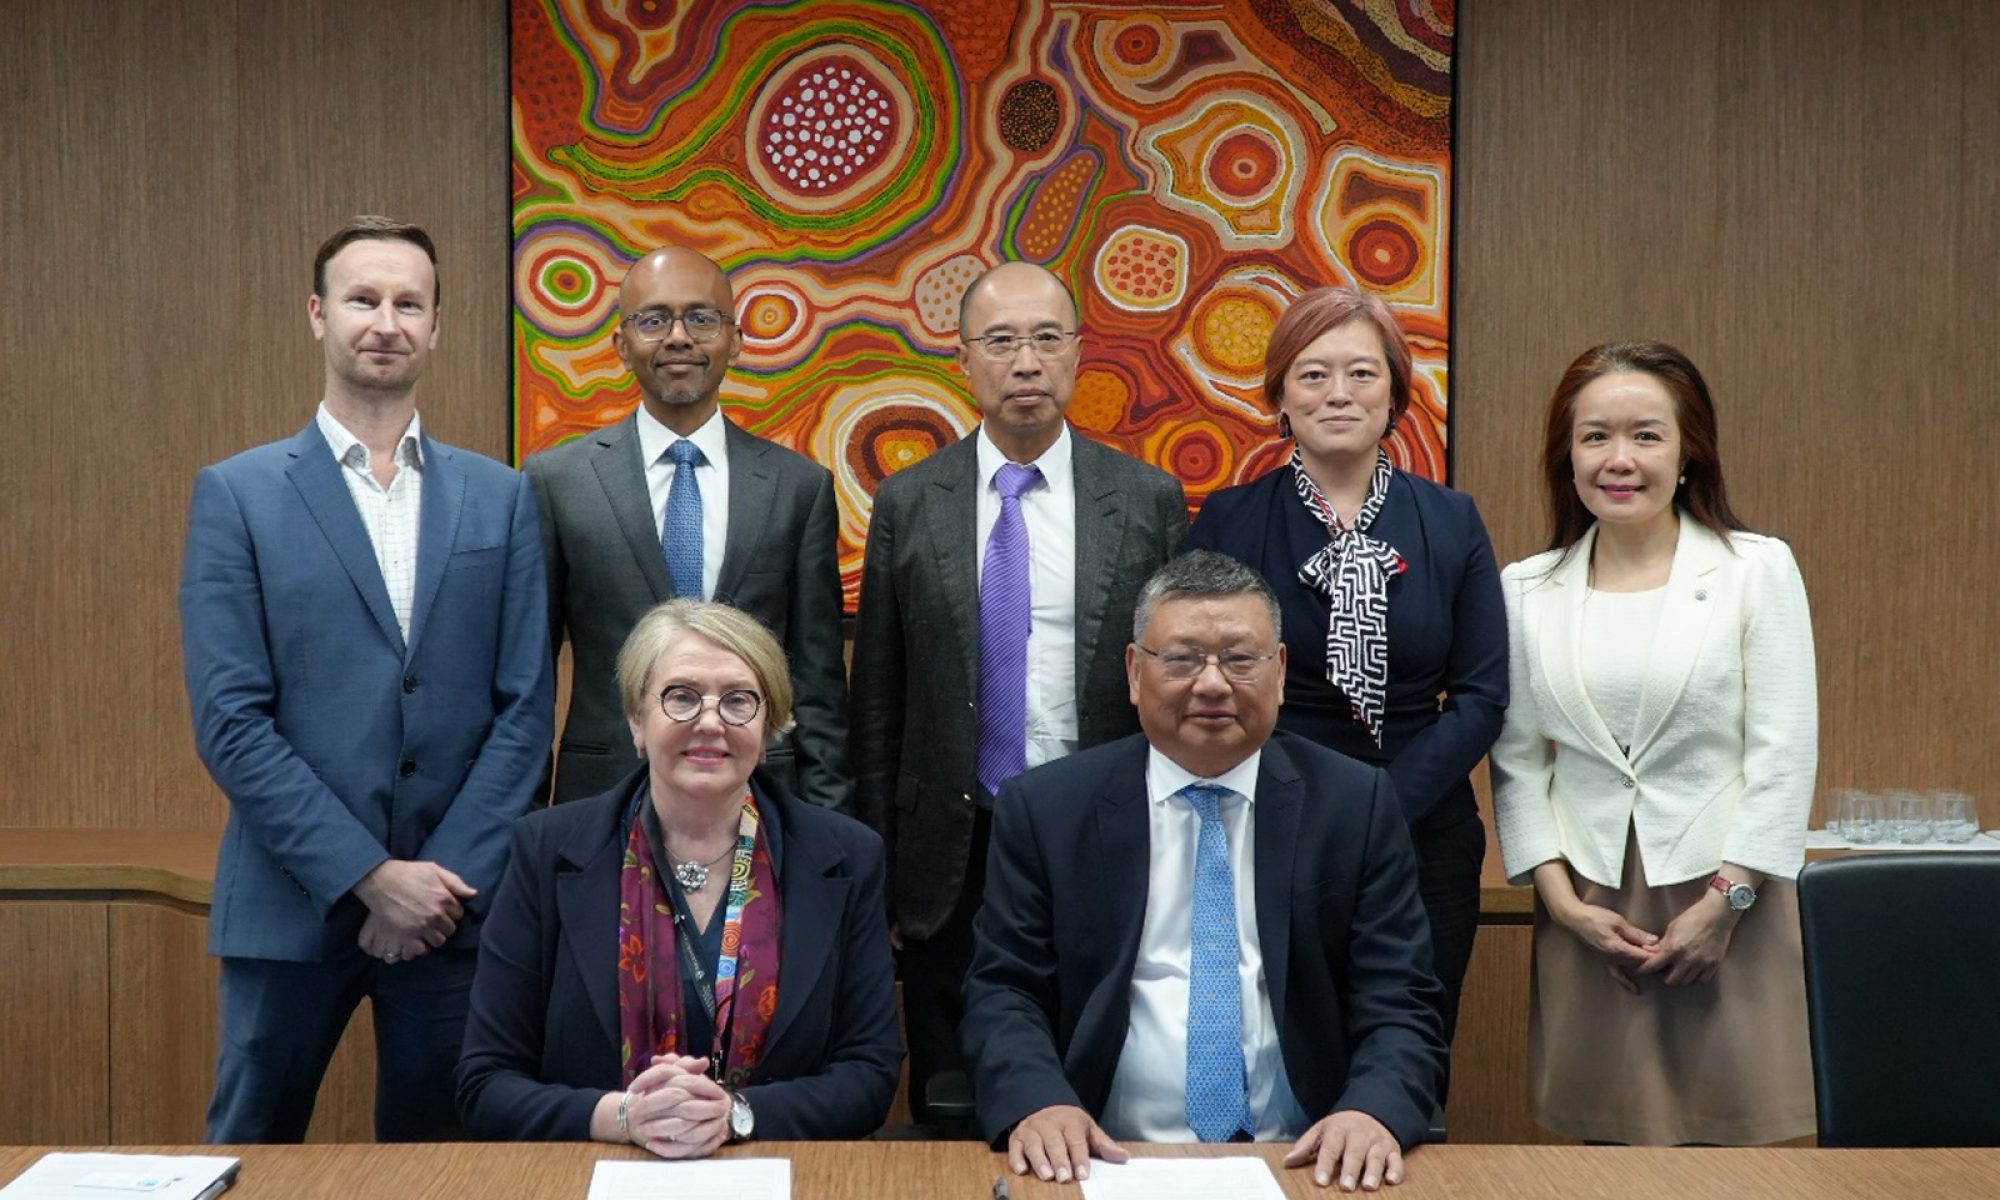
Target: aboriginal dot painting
(1187, 167)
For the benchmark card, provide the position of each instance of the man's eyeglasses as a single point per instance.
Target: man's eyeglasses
(1046, 343)
(683, 704)
(702, 324)
(1184, 663)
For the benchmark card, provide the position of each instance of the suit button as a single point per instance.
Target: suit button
(1626, 781)
(965, 796)
(408, 768)
(409, 683)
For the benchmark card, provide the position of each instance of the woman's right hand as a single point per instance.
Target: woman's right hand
(1623, 946)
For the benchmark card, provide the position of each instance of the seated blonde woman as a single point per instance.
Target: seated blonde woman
(695, 956)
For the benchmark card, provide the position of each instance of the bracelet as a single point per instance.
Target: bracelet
(625, 1116)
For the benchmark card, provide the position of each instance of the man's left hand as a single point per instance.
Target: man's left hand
(380, 939)
(1359, 1147)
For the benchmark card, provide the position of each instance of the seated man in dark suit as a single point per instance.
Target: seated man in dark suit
(1116, 995)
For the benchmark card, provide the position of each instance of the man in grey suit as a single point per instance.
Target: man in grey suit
(675, 500)
(1000, 576)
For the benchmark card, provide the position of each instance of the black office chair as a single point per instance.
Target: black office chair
(1903, 992)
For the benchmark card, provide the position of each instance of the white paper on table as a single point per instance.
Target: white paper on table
(706, 1179)
(62, 1176)
(1237, 1177)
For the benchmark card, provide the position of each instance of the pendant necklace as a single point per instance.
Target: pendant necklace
(693, 876)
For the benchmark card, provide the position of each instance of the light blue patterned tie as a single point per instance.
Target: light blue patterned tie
(680, 533)
(1218, 1094)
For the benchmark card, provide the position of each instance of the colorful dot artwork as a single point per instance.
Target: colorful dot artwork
(1187, 166)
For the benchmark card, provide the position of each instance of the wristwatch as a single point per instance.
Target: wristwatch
(1740, 896)
(742, 1122)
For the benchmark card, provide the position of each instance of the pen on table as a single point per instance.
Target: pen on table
(1000, 1188)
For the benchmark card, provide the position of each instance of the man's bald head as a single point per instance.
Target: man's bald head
(1011, 275)
(680, 369)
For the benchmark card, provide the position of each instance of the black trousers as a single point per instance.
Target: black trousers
(1448, 861)
(933, 971)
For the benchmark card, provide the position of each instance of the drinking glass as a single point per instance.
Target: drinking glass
(1910, 817)
(1957, 817)
(1862, 818)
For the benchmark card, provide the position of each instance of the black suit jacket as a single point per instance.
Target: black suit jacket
(542, 1038)
(1447, 633)
(916, 649)
(1346, 945)
(781, 564)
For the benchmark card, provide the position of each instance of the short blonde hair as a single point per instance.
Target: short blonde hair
(730, 628)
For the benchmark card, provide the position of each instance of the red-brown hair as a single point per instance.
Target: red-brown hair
(1328, 308)
(1703, 495)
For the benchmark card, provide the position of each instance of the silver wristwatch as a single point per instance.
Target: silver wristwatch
(742, 1122)
(1739, 896)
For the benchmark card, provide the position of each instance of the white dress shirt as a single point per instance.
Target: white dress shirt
(1148, 1101)
(712, 476)
(392, 515)
(1048, 510)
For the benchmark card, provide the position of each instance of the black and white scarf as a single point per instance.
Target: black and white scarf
(1353, 572)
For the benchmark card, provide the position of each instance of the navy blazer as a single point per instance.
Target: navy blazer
(1346, 943)
(542, 1040)
(1447, 632)
(339, 743)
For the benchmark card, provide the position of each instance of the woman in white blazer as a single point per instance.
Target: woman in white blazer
(1654, 775)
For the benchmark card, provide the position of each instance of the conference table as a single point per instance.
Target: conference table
(944, 1170)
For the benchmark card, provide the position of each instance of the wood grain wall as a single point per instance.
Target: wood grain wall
(169, 169)
(1804, 195)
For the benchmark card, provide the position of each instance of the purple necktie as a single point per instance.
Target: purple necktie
(1005, 609)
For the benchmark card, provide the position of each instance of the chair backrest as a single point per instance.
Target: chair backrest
(1902, 956)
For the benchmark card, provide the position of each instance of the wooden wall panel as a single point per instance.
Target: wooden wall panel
(1803, 195)
(54, 1056)
(162, 1019)
(170, 173)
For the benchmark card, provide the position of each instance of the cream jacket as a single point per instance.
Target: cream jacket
(1722, 767)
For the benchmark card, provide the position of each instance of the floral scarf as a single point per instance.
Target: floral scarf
(651, 1019)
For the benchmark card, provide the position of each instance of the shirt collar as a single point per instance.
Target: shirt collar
(1054, 464)
(710, 437)
(1165, 777)
(409, 448)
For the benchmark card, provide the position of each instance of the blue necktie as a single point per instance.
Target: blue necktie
(680, 533)
(1218, 1094)
(1006, 611)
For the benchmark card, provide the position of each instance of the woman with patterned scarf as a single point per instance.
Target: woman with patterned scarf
(1391, 599)
(696, 956)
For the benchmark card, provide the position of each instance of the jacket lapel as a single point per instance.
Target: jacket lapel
(587, 870)
(753, 494)
(815, 897)
(1122, 859)
(954, 534)
(444, 504)
(1280, 794)
(1100, 527)
(317, 477)
(623, 477)
(1699, 557)
(1558, 604)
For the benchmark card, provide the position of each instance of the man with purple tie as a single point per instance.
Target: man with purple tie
(999, 577)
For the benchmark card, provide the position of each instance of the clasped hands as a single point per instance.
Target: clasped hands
(675, 1109)
(1057, 1143)
(1690, 951)
(413, 908)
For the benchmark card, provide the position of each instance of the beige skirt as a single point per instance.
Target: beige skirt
(1722, 1063)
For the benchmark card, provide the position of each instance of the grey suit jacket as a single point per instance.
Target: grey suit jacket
(780, 564)
(916, 650)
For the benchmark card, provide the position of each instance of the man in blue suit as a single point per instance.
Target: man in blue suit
(364, 623)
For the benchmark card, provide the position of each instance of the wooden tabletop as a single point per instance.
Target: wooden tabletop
(942, 1170)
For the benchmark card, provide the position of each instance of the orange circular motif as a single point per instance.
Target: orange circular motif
(1143, 270)
(1232, 331)
(1100, 401)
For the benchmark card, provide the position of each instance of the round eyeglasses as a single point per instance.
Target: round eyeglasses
(1046, 343)
(683, 704)
(1184, 663)
(702, 324)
